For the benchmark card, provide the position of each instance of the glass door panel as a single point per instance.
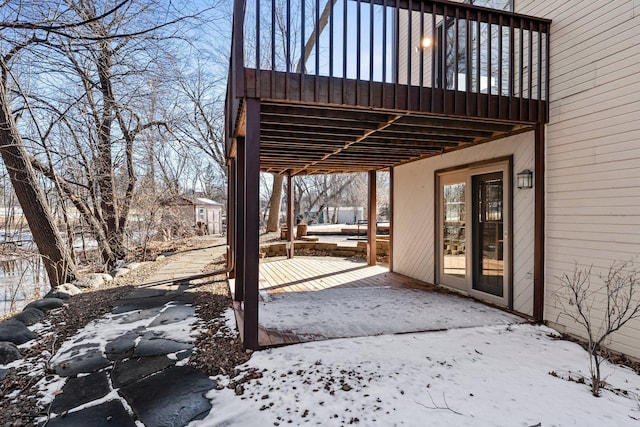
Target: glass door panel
(488, 234)
(453, 230)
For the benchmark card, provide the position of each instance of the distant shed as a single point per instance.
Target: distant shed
(208, 215)
(199, 213)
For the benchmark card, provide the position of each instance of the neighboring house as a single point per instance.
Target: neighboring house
(192, 213)
(511, 135)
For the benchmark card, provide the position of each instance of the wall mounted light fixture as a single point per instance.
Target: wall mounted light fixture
(525, 179)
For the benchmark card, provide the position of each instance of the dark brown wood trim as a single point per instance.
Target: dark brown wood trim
(406, 99)
(290, 213)
(391, 204)
(509, 184)
(539, 226)
(510, 179)
(231, 213)
(372, 219)
(251, 220)
(240, 199)
(237, 58)
(474, 164)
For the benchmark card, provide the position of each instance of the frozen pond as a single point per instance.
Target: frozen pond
(22, 279)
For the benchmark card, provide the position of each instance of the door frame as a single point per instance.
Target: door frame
(504, 165)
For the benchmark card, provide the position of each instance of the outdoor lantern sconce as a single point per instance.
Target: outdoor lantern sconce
(525, 179)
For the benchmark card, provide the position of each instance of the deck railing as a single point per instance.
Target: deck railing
(377, 52)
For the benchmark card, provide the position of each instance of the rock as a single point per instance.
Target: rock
(92, 280)
(137, 368)
(46, 304)
(15, 332)
(119, 272)
(134, 265)
(160, 257)
(110, 413)
(9, 352)
(172, 397)
(64, 291)
(83, 358)
(29, 316)
(80, 390)
(106, 277)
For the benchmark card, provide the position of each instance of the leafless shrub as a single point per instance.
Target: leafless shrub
(600, 308)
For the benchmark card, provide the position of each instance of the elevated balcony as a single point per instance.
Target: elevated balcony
(355, 85)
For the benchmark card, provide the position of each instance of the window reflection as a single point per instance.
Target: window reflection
(453, 230)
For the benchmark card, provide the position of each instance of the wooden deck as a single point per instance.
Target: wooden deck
(308, 274)
(311, 274)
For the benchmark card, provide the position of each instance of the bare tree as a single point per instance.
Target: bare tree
(77, 73)
(600, 309)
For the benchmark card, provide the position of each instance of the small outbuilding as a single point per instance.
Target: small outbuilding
(199, 213)
(208, 215)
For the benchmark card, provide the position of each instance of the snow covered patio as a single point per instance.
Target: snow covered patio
(318, 298)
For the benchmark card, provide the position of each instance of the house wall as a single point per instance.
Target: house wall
(593, 146)
(414, 213)
(410, 47)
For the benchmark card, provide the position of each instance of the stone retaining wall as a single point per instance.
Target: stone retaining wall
(326, 249)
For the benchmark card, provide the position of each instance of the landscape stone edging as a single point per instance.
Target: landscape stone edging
(12, 335)
(330, 249)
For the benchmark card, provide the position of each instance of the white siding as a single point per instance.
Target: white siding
(593, 144)
(414, 213)
(411, 47)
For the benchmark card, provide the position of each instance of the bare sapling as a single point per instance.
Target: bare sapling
(601, 307)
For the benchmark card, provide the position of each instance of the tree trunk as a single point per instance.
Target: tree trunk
(57, 260)
(273, 222)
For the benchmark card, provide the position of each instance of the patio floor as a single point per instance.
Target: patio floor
(319, 298)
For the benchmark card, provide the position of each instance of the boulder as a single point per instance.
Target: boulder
(119, 272)
(64, 291)
(134, 265)
(29, 316)
(46, 304)
(92, 280)
(15, 332)
(9, 352)
(106, 277)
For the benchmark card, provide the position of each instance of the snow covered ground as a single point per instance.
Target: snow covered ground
(499, 375)
(504, 375)
(356, 312)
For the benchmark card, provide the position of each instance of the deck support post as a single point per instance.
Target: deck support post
(290, 213)
(539, 231)
(391, 218)
(231, 213)
(240, 199)
(251, 221)
(372, 219)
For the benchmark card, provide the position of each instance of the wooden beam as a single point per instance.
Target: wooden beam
(318, 122)
(539, 226)
(240, 198)
(328, 111)
(290, 213)
(391, 192)
(348, 144)
(231, 214)
(372, 219)
(251, 220)
(455, 123)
